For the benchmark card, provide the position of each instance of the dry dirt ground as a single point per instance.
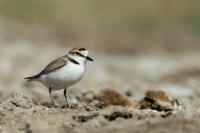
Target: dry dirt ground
(24, 107)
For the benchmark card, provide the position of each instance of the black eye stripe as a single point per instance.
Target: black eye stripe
(82, 49)
(80, 54)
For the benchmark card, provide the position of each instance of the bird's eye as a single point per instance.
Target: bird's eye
(77, 53)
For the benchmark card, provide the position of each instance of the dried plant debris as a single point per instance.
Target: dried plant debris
(118, 114)
(154, 99)
(85, 117)
(112, 97)
(158, 100)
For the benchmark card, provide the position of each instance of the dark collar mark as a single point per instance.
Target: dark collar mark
(73, 61)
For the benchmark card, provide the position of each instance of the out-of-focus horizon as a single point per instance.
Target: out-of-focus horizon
(111, 26)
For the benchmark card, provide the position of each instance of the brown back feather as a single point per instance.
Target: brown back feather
(51, 67)
(54, 65)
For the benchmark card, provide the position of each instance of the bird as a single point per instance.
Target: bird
(63, 72)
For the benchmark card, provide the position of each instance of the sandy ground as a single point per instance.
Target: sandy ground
(24, 106)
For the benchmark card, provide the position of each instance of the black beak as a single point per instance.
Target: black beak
(88, 58)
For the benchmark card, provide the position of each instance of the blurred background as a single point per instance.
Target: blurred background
(136, 43)
(129, 26)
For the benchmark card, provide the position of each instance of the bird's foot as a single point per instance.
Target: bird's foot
(74, 105)
(55, 105)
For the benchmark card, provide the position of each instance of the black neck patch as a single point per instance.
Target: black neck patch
(73, 61)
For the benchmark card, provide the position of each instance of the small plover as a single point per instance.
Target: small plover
(63, 72)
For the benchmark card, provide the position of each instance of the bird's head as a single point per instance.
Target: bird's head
(80, 55)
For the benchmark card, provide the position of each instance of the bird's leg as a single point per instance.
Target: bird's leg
(65, 94)
(75, 105)
(50, 91)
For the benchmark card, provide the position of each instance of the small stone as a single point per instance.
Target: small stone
(85, 117)
(128, 93)
(145, 104)
(90, 108)
(46, 104)
(118, 114)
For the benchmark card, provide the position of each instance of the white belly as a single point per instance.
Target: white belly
(64, 77)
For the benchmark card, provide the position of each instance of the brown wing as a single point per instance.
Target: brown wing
(54, 65)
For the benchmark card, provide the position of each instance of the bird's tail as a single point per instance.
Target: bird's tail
(32, 78)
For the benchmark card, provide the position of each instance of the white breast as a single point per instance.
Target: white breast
(64, 77)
